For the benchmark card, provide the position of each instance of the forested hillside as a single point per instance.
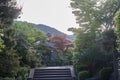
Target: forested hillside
(48, 29)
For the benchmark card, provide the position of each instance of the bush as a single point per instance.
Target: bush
(105, 73)
(8, 78)
(22, 73)
(83, 75)
(80, 68)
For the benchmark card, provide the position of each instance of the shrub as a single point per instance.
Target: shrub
(105, 73)
(22, 73)
(8, 78)
(80, 68)
(82, 75)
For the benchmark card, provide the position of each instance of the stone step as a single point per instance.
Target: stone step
(52, 70)
(59, 78)
(41, 76)
(52, 73)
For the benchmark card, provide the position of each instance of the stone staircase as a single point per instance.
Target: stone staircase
(52, 73)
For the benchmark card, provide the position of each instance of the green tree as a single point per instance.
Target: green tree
(95, 18)
(31, 44)
(117, 28)
(1, 41)
(9, 60)
(33, 34)
(95, 13)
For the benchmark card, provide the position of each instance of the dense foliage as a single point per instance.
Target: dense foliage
(105, 73)
(30, 49)
(21, 45)
(9, 60)
(29, 40)
(117, 28)
(83, 75)
(95, 45)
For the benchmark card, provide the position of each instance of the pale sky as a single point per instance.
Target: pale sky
(54, 13)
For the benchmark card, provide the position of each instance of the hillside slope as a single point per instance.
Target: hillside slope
(48, 29)
(53, 31)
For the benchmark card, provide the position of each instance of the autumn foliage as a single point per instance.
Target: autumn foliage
(61, 43)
